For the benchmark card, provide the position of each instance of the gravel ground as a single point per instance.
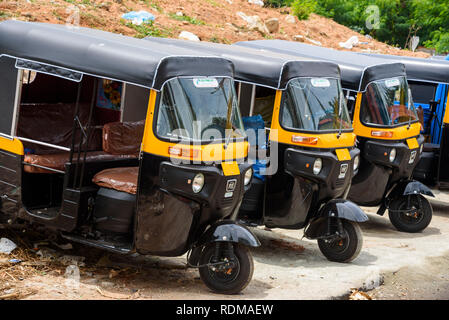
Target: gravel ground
(410, 266)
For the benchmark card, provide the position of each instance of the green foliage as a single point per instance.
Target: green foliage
(303, 8)
(398, 20)
(187, 18)
(147, 30)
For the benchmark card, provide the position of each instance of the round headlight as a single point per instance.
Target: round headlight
(248, 176)
(392, 155)
(421, 148)
(356, 162)
(198, 183)
(317, 165)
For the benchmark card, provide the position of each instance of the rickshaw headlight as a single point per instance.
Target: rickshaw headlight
(392, 155)
(248, 176)
(317, 165)
(198, 183)
(356, 162)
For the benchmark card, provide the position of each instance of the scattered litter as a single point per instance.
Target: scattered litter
(359, 295)
(7, 246)
(15, 261)
(256, 2)
(68, 260)
(72, 276)
(185, 35)
(47, 254)
(301, 38)
(350, 43)
(37, 244)
(373, 280)
(139, 17)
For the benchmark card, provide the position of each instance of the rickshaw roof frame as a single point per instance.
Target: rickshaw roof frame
(258, 67)
(430, 70)
(106, 55)
(356, 72)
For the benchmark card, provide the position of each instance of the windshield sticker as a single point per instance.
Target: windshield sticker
(205, 82)
(392, 83)
(320, 82)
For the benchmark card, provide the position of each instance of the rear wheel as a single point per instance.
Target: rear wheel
(410, 215)
(229, 277)
(345, 248)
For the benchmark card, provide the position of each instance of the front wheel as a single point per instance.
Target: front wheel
(410, 213)
(225, 267)
(345, 248)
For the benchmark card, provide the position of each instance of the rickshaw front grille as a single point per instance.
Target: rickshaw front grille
(227, 201)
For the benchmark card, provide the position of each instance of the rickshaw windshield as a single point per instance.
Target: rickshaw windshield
(199, 109)
(388, 103)
(315, 104)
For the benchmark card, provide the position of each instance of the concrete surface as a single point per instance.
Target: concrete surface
(286, 267)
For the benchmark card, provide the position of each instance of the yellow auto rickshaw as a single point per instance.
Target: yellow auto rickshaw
(387, 128)
(310, 150)
(102, 139)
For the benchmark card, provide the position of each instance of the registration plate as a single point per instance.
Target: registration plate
(343, 169)
(412, 157)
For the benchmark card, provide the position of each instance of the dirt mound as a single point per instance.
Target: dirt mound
(210, 20)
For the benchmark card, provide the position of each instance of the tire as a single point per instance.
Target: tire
(344, 250)
(411, 224)
(220, 282)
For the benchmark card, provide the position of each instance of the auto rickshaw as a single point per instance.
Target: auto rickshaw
(101, 141)
(387, 128)
(429, 81)
(312, 158)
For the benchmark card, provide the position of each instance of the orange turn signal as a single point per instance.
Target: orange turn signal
(382, 134)
(305, 140)
(183, 152)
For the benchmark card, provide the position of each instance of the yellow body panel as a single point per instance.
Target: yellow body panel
(14, 146)
(343, 154)
(230, 168)
(212, 152)
(399, 133)
(446, 112)
(412, 143)
(325, 140)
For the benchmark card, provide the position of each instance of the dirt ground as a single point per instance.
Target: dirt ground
(210, 20)
(396, 265)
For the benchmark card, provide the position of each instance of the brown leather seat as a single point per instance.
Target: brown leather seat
(121, 140)
(120, 179)
(57, 161)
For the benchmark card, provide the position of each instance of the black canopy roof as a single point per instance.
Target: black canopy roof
(104, 54)
(262, 68)
(356, 70)
(421, 69)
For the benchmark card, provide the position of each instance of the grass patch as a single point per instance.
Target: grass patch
(4, 14)
(154, 5)
(187, 18)
(214, 3)
(147, 30)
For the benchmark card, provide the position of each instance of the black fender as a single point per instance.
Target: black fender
(337, 208)
(404, 188)
(409, 187)
(228, 231)
(343, 209)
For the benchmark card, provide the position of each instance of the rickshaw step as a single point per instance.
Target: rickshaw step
(123, 248)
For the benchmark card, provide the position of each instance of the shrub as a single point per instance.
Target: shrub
(303, 8)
